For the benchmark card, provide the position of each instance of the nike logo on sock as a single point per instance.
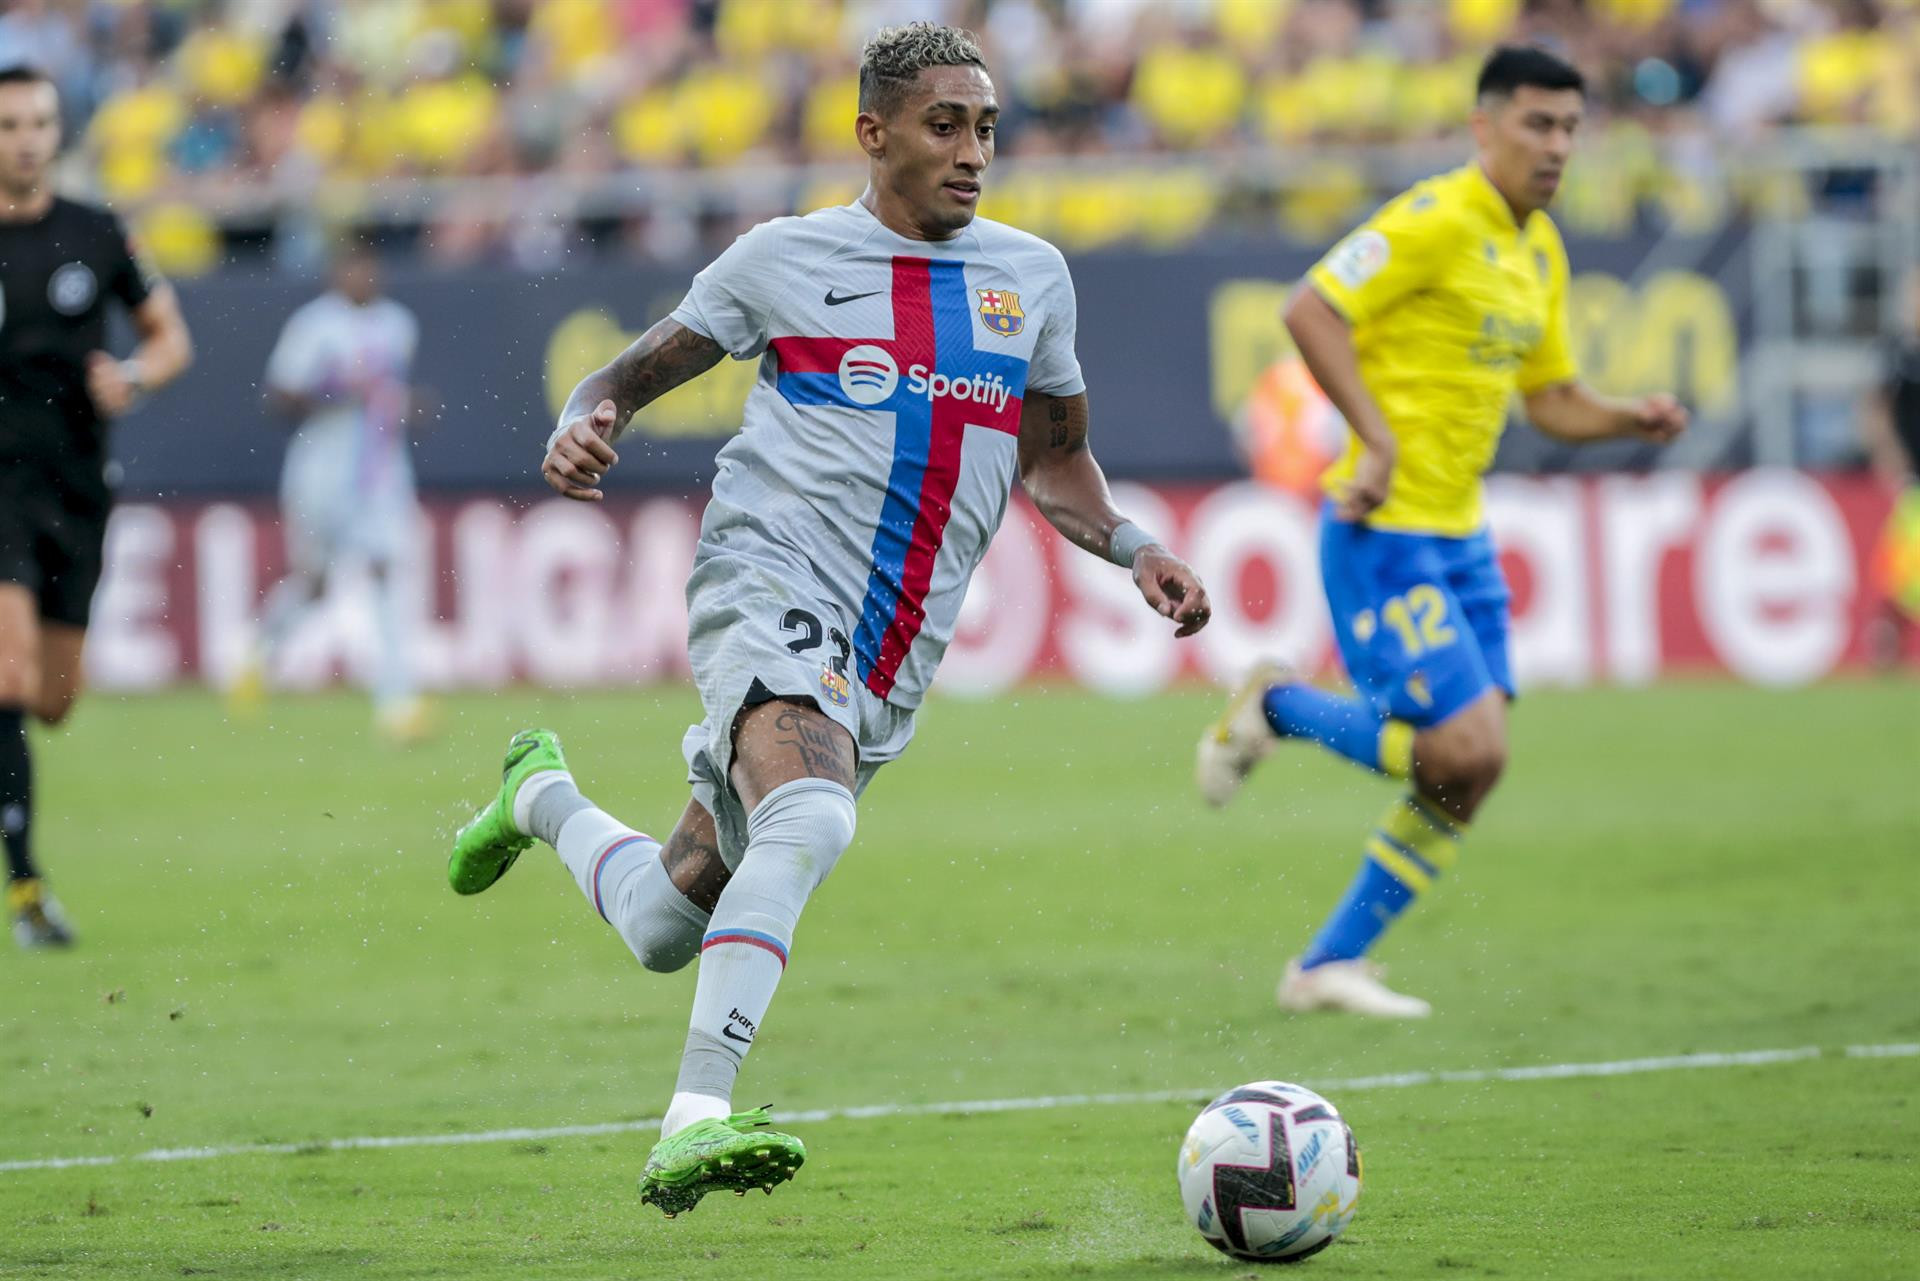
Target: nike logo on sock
(727, 1031)
(834, 300)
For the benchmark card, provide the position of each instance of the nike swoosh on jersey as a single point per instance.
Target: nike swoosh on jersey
(834, 300)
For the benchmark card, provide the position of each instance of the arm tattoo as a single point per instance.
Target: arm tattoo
(1062, 434)
(1068, 416)
(658, 361)
(823, 747)
(1060, 474)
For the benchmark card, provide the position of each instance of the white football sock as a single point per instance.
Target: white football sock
(393, 610)
(794, 837)
(287, 603)
(620, 872)
(688, 1108)
(524, 820)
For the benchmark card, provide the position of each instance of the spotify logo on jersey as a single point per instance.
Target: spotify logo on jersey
(868, 375)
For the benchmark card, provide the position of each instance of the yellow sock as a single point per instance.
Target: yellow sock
(1416, 841)
(1396, 749)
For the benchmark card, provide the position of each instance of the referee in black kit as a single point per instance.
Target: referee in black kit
(60, 261)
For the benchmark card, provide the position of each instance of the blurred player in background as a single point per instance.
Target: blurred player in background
(1420, 326)
(1890, 420)
(60, 264)
(341, 368)
(913, 361)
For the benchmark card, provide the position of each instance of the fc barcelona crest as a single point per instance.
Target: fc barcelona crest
(1000, 311)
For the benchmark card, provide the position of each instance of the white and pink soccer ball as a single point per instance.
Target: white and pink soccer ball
(1270, 1172)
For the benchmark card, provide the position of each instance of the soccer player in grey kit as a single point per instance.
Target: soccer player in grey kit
(913, 361)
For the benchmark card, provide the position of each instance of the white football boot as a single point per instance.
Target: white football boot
(1241, 738)
(1350, 986)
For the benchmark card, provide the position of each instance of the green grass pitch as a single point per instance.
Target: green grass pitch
(1035, 905)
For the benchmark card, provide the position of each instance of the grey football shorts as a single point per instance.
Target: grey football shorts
(757, 633)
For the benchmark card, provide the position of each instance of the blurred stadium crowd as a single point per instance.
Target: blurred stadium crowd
(225, 121)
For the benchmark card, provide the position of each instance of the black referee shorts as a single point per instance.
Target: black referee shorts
(50, 549)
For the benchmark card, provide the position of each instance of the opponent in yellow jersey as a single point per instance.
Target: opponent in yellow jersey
(1420, 326)
(1453, 306)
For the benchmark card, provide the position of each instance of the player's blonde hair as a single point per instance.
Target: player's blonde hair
(895, 55)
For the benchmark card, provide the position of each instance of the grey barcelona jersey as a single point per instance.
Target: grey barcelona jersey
(880, 440)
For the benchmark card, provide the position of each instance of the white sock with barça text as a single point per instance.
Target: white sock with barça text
(794, 838)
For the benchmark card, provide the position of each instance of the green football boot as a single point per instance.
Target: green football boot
(736, 1154)
(487, 846)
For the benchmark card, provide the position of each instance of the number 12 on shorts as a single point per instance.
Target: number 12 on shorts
(1419, 618)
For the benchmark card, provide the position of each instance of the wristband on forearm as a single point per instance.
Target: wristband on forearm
(1125, 543)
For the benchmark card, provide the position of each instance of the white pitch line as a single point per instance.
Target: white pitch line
(977, 1107)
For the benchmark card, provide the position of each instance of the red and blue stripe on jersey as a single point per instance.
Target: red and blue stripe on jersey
(932, 327)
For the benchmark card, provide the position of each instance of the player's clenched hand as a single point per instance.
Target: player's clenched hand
(1172, 588)
(1372, 477)
(108, 386)
(1659, 418)
(580, 455)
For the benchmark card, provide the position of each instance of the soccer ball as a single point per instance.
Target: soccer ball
(1270, 1172)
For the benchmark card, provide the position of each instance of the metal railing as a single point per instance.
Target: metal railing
(1829, 268)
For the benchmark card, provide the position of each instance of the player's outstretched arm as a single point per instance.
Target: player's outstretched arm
(1064, 481)
(1574, 412)
(581, 448)
(163, 352)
